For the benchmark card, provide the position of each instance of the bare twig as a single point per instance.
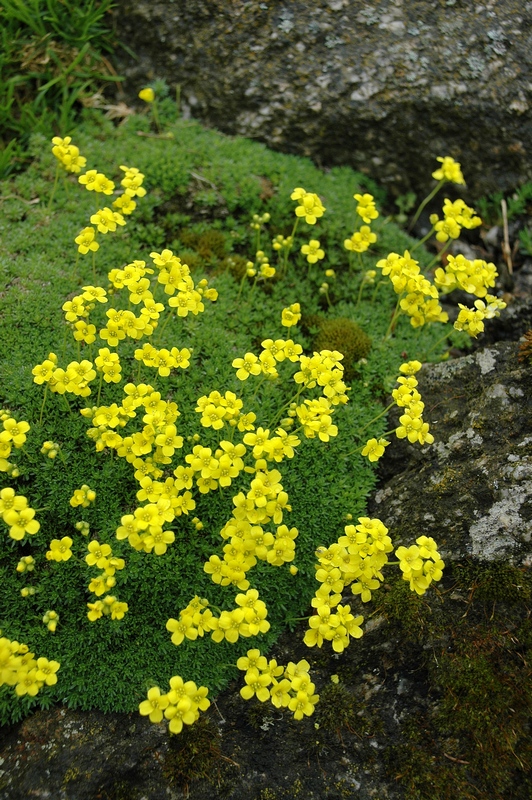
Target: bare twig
(506, 249)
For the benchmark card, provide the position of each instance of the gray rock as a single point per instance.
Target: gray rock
(382, 85)
(476, 479)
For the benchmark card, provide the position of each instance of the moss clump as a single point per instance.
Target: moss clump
(474, 741)
(196, 755)
(211, 245)
(338, 708)
(498, 582)
(344, 335)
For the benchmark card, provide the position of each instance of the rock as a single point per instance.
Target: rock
(472, 489)
(384, 86)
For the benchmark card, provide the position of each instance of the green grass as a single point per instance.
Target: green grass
(198, 183)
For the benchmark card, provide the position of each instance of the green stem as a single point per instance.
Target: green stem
(360, 293)
(54, 187)
(156, 116)
(43, 403)
(241, 286)
(435, 345)
(288, 249)
(382, 413)
(99, 389)
(94, 266)
(252, 289)
(393, 319)
(441, 253)
(293, 399)
(376, 290)
(422, 205)
(423, 240)
(161, 330)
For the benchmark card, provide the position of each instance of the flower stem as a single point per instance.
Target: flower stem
(393, 319)
(54, 187)
(422, 205)
(43, 403)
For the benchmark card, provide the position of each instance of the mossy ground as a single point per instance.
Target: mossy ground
(202, 191)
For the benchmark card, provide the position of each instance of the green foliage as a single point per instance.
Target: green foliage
(51, 60)
(203, 189)
(347, 337)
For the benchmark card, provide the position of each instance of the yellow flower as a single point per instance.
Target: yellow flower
(310, 206)
(374, 449)
(291, 315)
(156, 702)
(60, 549)
(449, 171)
(86, 241)
(147, 95)
(313, 251)
(366, 207)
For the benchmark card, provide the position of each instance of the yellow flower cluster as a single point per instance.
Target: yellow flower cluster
(450, 170)
(68, 154)
(366, 207)
(12, 435)
(474, 277)
(108, 364)
(456, 216)
(286, 687)
(420, 300)
(50, 449)
(20, 668)
(97, 182)
(50, 619)
(420, 564)
(108, 606)
(122, 323)
(83, 496)
(216, 409)
(310, 206)
(26, 564)
(163, 360)
(101, 556)
(75, 379)
(472, 320)
(181, 705)
(355, 560)
(106, 219)
(361, 240)
(247, 619)
(374, 449)
(291, 315)
(408, 397)
(17, 514)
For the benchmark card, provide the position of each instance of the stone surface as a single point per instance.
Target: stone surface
(382, 85)
(472, 489)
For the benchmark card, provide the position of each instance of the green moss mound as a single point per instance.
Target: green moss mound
(344, 335)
